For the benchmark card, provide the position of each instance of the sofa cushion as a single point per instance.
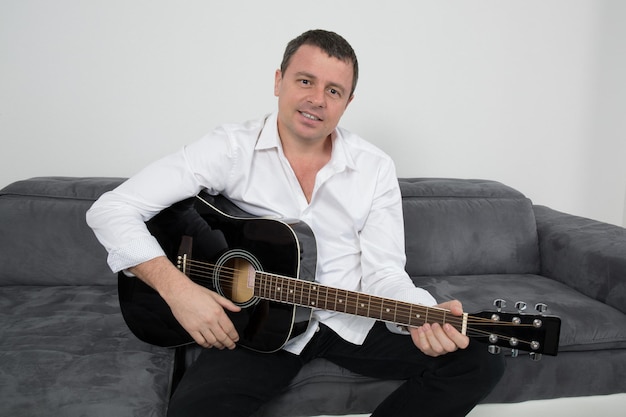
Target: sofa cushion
(468, 227)
(66, 351)
(586, 324)
(586, 254)
(42, 220)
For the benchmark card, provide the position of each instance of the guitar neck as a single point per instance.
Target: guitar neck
(313, 295)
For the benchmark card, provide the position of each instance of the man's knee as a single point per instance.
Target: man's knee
(488, 368)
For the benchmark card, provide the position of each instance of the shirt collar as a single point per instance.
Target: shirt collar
(340, 158)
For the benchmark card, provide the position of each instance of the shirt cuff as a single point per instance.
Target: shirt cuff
(138, 251)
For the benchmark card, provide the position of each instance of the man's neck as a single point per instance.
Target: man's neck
(306, 160)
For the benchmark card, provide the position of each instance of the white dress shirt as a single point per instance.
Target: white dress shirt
(355, 210)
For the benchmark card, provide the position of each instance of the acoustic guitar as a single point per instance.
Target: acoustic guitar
(267, 267)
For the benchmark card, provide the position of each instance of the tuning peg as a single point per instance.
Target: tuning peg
(520, 306)
(499, 303)
(494, 350)
(514, 353)
(535, 356)
(541, 307)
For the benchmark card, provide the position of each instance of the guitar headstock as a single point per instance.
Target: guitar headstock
(534, 333)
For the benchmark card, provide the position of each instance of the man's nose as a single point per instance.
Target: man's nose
(317, 97)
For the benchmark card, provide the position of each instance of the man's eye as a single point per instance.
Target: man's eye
(334, 92)
(305, 82)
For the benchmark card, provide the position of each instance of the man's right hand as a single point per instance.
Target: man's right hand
(199, 310)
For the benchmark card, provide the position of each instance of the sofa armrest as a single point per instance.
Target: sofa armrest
(587, 255)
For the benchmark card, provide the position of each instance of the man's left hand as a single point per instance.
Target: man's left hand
(436, 340)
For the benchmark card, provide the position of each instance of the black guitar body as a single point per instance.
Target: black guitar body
(219, 234)
(267, 267)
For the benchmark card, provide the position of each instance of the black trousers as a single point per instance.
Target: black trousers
(235, 383)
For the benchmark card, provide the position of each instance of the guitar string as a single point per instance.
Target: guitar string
(227, 275)
(453, 320)
(230, 275)
(441, 313)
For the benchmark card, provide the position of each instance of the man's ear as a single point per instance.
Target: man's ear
(278, 78)
(350, 100)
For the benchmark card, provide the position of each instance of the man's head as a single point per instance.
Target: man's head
(329, 42)
(314, 87)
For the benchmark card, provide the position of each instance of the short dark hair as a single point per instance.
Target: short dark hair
(331, 43)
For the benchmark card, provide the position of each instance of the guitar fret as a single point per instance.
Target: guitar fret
(384, 311)
(278, 288)
(395, 312)
(291, 289)
(326, 298)
(307, 300)
(403, 313)
(259, 284)
(322, 297)
(416, 318)
(272, 285)
(351, 303)
(342, 302)
(311, 302)
(302, 300)
(374, 310)
(362, 308)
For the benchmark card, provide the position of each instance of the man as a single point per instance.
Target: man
(296, 163)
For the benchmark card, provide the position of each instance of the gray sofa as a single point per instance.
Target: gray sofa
(66, 351)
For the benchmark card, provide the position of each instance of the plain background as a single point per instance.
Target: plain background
(527, 92)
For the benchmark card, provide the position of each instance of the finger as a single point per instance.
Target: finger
(446, 339)
(436, 342)
(422, 341)
(200, 339)
(213, 341)
(460, 340)
(454, 306)
(223, 340)
(225, 331)
(226, 303)
(229, 332)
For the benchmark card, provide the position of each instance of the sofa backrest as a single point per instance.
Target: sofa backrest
(468, 227)
(452, 227)
(44, 239)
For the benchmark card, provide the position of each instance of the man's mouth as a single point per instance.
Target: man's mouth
(310, 116)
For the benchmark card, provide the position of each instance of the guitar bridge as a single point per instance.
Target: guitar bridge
(181, 263)
(184, 250)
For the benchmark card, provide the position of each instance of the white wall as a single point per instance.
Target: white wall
(527, 92)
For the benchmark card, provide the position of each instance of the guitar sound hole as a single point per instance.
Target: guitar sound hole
(234, 277)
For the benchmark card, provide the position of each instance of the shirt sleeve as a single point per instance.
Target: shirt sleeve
(382, 245)
(118, 217)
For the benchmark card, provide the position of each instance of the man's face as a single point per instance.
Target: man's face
(313, 93)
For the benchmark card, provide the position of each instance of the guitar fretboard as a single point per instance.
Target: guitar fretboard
(313, 295)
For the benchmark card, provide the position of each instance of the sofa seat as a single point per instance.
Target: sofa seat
(64, 347)
(68, 348)
(587, 325)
